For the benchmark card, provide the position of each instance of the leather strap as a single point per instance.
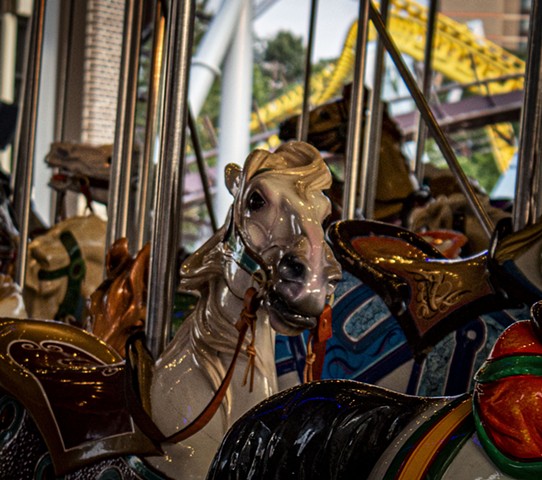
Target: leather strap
(316, 346)
(133, 399)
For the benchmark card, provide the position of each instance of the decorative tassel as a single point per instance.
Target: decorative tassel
(248, 320)
(316, 346)
(309, 361)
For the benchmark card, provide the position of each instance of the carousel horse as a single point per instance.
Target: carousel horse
(267, 269)
(448, 209)
(65, 265)
(110, 314)
(82, 168)
(397, 191)
(342, 429)
(407, 318)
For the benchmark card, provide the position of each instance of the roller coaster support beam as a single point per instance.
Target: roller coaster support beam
(167, 199)
(26, 135)
(236, 98)
(426, 85)
(211, 52)
(526, 208)
(373, 133)
(432, 124)
(355, 126)
(303, 127)
(123, 146)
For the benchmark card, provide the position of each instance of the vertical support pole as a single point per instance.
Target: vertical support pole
(8, 42)
(26, 134)
(355, 126)
(167, 204)
(432, 124)
(426, 85)
(64, 60)
(121, 162)
(526, 209)
(152, 126)
(234, 141)
(303, 127)
(373, 133)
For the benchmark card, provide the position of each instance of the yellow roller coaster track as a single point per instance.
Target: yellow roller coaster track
(458, 54)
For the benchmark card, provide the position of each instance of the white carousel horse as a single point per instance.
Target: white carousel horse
(65, 265)
(273, 244)
(341, 429)
(277, 214)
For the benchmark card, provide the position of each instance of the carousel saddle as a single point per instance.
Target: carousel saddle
(429, 294)
(73, 385)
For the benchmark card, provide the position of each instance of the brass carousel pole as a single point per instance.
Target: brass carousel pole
(426, 85)
(526, 209)
(303, 127)
(355, 126)
(432, 124)
(167, 204)
(123, 148)
(26, 135)
(152, 126)
(373, 132)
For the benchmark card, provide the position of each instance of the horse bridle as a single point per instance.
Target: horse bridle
(135, 368)
(72, 303)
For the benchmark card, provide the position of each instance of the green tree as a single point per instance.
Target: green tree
(284, 58)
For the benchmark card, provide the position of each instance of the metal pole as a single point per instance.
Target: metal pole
(355, 126)
(303, 127)
(167, 204)
(121, 163)
(64, 60)
(529, 141)
(152, 126)
(373, 133)
(432, 124)
(200, 160)
(26, 135)
(426, 85)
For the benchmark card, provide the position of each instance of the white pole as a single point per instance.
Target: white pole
(211, 52)
(8, 44)
(234, 139)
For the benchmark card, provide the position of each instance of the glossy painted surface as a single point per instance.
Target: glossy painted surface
(49, 269)
(274, 241)
(302, 432)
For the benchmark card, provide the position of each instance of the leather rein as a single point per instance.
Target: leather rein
(135, 349)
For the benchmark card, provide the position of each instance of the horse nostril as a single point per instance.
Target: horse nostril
(290, 268)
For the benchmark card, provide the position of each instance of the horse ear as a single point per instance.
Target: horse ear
(232, 174)
(117, 257)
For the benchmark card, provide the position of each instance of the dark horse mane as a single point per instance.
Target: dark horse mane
(341, 429)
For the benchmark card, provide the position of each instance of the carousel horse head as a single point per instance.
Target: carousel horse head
(117, 308)
(276, 220)
(65, 265)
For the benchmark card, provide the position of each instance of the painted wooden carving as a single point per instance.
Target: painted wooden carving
(65, 265)
(271, 247)
(348, 430)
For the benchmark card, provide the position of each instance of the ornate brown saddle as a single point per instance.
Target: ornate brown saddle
(429, 294)
(73, 386)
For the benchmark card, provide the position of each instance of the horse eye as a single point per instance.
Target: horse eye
(255, 201)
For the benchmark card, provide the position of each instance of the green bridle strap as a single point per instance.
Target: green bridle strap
(72, 304)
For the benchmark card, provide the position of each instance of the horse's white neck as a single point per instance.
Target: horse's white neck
(204, 347)
(215, 332)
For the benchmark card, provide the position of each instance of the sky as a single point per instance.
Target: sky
(333, 20)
